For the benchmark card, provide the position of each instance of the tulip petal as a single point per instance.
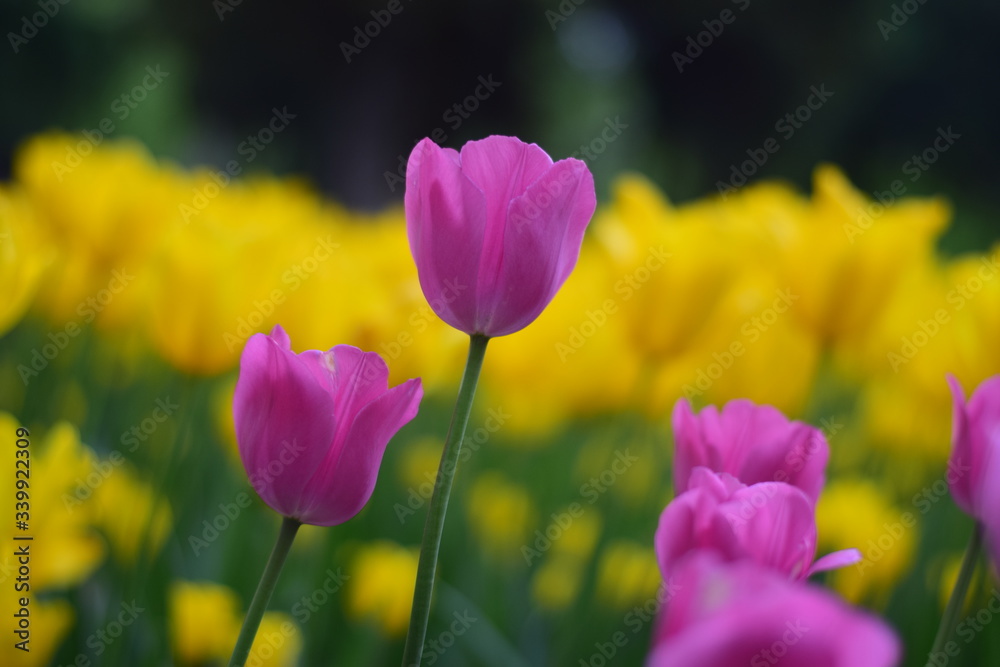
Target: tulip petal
(544, 231)
(962, 454)
(835, 560)
(775, 523)
(445, 222)
(347, 485)
(279, 412)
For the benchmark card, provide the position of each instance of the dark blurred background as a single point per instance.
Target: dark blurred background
(684, 112)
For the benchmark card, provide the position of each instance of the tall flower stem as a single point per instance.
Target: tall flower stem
(434, 527)
(957, 600)
(264, 590)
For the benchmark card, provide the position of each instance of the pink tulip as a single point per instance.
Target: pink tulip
(494, 230)
(974, 467)
(312, 427)
(771, 523)
(724, 614)
(754, 443)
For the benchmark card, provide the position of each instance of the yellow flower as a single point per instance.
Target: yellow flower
(501, 516)
(380, 588)
(23, 256)
(854, 513)
(105, 212)
(847, 254)
(72, 550)
(135, 521)
(556, 584)
(205, 621)
(627, 575)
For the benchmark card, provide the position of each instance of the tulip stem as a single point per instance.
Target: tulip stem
(956, 602)
(434, 526)
(264, 590)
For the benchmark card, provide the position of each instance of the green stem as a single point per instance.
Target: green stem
(434, 527)
(956, 602)
(264, 589)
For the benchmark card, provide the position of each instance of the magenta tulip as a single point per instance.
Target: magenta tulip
(494, 230)
(724, 614)
(312, 427)
(771, 523)
(974, 467)
(753, 443)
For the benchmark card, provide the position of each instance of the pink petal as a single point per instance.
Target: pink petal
(543, 233)
(446, 223)
(279, 411)
(835, 561)
(775, 523)
(347, 485)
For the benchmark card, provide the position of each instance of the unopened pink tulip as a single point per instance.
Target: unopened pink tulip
(719, 614)
(312, 427)
(495, 229)
(753, 443)
(771, 523)
(974, 467)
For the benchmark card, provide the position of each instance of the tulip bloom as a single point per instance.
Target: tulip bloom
(495, 229)
(753, 443)
(974, 467)
(723, 614)
(772, 524)
(312, 427)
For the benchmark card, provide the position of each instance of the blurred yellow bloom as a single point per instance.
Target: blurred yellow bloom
(57, 463)
(205, 621)
(380, 588)
(23, 256)
(135, 521)
(556, 584)
(856, 513)
(501, 516)
(627, 575)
